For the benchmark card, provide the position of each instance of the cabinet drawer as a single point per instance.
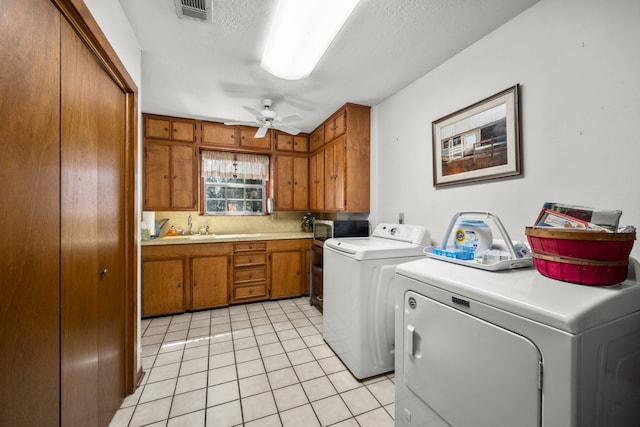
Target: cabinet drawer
(250, 247)
(250, 275)
(250, 259)
(254, 291)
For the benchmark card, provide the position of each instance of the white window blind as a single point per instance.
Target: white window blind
(235, 165)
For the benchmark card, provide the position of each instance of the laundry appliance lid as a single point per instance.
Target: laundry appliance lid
(525, 292)
(374, 248)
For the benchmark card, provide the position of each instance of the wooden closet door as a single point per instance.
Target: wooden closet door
(30, 206)
(92, 233)
(110, 125)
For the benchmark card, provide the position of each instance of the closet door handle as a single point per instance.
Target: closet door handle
(103, 273)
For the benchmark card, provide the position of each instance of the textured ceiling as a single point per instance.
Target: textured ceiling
(210, 70)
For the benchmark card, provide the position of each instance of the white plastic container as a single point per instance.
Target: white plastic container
(473, 235)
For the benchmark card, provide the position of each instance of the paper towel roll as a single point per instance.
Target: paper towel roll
(150, 219)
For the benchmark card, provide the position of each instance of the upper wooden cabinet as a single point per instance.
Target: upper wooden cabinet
(296, 143)
(316, 140)
(334, 177)
(336, 125)
(170, 176)
(346, 161)
(316, 181)
(170, 128)
(249, 141)
(218, 134)
(241, 138)
(335, 169)
(291, 183)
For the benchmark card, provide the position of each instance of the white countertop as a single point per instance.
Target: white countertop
(230, 237)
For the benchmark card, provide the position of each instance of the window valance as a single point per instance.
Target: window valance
(235, 165)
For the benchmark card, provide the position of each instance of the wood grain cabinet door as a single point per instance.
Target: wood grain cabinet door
(218, 134)
(301, 143)
(334, 178)
(300, 183)
(157, 176)
(284, 183)
(169, 176)
(249, 141)
(183, 184)
(157, 128)
(209, 281)
(183, 130)
(286, 274)
(163, 290)
(317, 181)
(284, 141)
(291, 183)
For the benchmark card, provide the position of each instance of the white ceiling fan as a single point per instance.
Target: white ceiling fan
(268, 119)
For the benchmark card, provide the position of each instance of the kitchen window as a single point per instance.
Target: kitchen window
(234, 183)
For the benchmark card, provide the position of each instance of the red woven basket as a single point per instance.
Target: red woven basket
(581, 256)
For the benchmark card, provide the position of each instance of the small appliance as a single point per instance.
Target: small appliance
(324, 229)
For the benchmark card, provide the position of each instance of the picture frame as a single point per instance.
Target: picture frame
(479, 142)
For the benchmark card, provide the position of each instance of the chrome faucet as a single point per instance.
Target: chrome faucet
(190, 224)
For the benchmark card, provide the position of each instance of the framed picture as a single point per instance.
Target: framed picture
(479, 142)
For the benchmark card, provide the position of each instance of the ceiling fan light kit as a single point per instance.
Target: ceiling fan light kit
(300, 33)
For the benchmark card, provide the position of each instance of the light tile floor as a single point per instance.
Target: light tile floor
(259, 364)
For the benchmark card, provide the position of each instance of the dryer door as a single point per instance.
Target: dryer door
(470, 372)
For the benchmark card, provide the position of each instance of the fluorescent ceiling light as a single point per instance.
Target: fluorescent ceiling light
(300, 33)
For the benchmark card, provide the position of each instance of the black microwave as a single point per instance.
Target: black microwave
(326, 229)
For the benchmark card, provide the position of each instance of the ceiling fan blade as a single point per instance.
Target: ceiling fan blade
(288, 129)
(289, 118)
(262, 131)
(240, 123)
(257, 113)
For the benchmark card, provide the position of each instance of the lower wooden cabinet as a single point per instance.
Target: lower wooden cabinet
(289, 271)
(178, 278)
(209, 278)
(163, 290)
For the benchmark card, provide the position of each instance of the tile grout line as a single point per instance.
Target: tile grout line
(295, 308)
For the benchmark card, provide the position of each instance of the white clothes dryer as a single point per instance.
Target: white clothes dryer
(483, 349)
(359, 304)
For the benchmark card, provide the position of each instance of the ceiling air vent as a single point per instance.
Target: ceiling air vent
(193, 9)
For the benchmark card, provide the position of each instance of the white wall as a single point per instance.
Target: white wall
(578, 66)
(115, 26)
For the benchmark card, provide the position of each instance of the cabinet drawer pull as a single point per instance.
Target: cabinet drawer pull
(103, 273)
(179, 284)
(195, 283)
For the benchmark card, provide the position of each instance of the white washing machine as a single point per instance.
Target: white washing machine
(359, 304)
(514, 348)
